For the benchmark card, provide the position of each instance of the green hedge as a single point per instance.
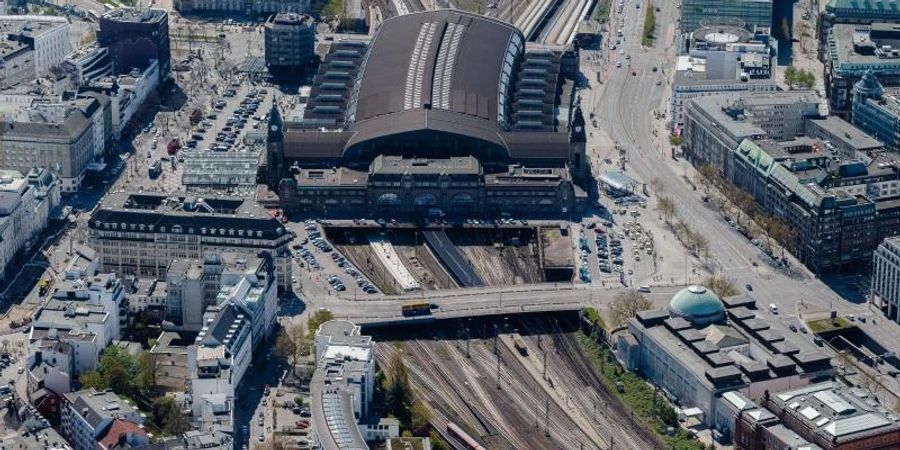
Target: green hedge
(647, 405)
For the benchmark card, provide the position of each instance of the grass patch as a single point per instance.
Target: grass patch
(601, 10)
(649, 25)
(825, 325)
(639, 396)
(593, 316)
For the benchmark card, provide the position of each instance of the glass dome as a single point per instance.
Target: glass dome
(697, 305)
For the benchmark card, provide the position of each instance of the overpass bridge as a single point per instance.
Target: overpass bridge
(477, 302)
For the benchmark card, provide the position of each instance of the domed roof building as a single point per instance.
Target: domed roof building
(697, 305)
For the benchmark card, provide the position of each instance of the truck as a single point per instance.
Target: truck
(44, 286)
(173, 146)
(155, 169)
(196, 117)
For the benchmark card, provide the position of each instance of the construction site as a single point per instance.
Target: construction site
(404, 260)
(520, 383)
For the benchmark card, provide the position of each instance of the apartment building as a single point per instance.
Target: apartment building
(26, 203)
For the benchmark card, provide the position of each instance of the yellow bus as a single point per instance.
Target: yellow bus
(416, 308)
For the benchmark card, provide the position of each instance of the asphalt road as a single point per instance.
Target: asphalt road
(624, 105)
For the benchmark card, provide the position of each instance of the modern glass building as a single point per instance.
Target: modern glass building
(754, 13)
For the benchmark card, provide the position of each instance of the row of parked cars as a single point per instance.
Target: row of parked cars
(609, 252)
(361, 281)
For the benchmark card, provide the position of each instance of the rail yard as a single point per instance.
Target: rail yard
(517, 384)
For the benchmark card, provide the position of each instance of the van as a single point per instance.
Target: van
(773, 308)
(644, 288)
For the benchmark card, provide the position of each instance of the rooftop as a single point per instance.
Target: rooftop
(153, 212)
(716, 107)
(136, 15)
(847, 133)
(30, 25)
(853, 49)
(95, 407)
(837, 411)
(709, 350)
(714, 69)
(465, 165)
(347, 357)
(288, 18)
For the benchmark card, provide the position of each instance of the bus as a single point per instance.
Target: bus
(416, 308)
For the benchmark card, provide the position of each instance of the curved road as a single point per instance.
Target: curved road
(624, 105)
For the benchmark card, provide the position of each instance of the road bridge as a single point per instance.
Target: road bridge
(477, 302)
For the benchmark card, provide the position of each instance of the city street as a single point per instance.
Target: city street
(624, 104)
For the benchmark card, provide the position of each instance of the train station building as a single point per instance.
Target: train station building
(443, 113)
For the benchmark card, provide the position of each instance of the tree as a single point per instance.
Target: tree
(676, 140)
(656, 185)
(333, 9)
(744, 202)
(145, 379)
(708, 176)
(398, 394)
(666, 208)
(315, 320)
(290, 345)
(420, 419)
(700, 245)
(115, 371)
(168, 416)
(721, 285)
(626, 305)
(790, 76)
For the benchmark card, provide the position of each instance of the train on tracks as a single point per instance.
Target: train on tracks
(468, 441)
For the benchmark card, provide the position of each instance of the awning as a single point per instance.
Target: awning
(615, 179)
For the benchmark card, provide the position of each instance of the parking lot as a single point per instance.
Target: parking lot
(324, 266)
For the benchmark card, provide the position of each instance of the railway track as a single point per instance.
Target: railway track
(532, 16)
(463, 390)
(580, 374)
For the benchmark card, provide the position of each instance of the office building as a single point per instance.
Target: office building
(829, 415)
(694, 355)
(859, 12)
(193, 286)
(142, 233)
(877, 112)
(719, 59)
(848, 141)
(26, 204)
(750, 13)
(255, 7)
(86, 315)
(87, 64)
(715, 125)
(885, 284)
(47, 37)
(135, 37)
(127, 93)
(479, 124)
(89, 416)
(290, 41)
(342, 386)
(221, 356)
(63, 137)
(854, 50)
